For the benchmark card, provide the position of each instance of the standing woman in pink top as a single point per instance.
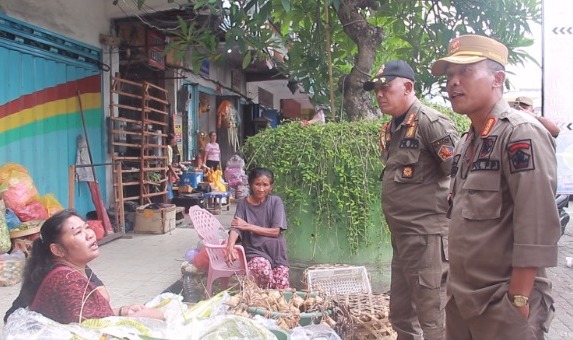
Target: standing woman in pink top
(212, 153)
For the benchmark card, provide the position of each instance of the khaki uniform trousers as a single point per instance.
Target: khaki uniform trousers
(418, 286)
(501, 320)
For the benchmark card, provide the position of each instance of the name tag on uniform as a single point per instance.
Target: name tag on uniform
(409, 143)
(485, 164)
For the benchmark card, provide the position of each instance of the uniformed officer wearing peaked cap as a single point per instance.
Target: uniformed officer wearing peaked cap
(417, 147)
(525, 104)
(388, 72)
(524, 101)
(470, 49)
(504, 224)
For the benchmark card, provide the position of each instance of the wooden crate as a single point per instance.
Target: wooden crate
(154, 221)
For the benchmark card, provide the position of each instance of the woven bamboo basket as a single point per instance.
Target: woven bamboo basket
(370, 316)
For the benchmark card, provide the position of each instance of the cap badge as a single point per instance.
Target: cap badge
(454, 46)
(381, 70)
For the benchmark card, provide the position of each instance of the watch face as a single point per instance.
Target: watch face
(519, 301)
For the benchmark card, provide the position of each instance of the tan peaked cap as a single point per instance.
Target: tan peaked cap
(469, 49)
(524, 100)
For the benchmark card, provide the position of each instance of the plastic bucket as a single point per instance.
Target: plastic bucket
(191, 178)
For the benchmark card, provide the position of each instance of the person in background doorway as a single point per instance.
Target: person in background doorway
(417, 147)
(504, 223)
(212, 153)
(172, 176)
(525, 104)
(259, 222)
(57, 281)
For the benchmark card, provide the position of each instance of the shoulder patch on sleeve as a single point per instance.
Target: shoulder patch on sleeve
(444, 147)
(521, 155)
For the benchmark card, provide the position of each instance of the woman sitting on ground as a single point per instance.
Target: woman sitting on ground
(57, 281)
(259, 221)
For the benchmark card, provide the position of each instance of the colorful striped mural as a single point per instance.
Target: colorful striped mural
(39, 131)
(40, 118)
(19, 117)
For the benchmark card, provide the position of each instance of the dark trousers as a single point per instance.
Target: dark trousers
(211, 164)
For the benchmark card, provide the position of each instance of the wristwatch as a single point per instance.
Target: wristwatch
(518, 300)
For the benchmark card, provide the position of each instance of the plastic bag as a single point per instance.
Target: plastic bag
(12, 220)
(236, 162)
(314, 332)
(34, 210)
(7, 169)
(215, 177)
(5, 243)
(12, 268)
(171, 305)
(51, 203)
(18, 189)
(233, 176)
(25, 324)
(97, 227)
(201, 260)
(229, 327)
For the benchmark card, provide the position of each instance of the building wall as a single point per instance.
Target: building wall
(81, 20)
(49, 81)
(84, 21)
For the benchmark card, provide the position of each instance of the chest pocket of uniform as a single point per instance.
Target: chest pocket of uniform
(409, 169)
(483, 196)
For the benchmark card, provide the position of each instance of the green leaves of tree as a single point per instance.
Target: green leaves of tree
(417, 31)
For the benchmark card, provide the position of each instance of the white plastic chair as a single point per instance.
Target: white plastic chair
(208, 228)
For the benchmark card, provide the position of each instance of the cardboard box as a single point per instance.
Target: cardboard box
(155, 221)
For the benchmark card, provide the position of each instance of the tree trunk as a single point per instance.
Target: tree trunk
(357, 102)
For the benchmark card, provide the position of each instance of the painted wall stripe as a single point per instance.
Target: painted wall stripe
(58, 107)
(67, 90)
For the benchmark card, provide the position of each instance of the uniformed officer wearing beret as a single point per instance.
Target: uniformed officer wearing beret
(417, 147)
(504, 223)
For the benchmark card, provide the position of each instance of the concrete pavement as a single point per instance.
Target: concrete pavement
(562, 278)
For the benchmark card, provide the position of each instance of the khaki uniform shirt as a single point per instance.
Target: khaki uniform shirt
(503, 213)
(417, 155)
